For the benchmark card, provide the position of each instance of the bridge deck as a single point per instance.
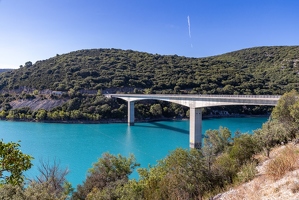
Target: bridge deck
(201, 101)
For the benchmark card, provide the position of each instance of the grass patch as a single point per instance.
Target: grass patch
(247, 172)
(283, 163)
(295, 187)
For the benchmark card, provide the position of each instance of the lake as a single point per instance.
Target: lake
(77, 146)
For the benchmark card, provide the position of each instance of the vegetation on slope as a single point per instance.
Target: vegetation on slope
(277, 177)
(81, 77)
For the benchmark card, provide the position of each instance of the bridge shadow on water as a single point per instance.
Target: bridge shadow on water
(163, 126)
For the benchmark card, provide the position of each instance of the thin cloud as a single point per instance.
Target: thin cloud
(189, 26)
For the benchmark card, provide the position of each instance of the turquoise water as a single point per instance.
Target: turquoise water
(77, 146)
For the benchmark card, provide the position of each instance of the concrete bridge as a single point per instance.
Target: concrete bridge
(196, 103)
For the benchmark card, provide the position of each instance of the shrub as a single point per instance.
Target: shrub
(247, 172)
(9, 191)
(181, 174)
(243, 149)
(35, 92)
(226, 168)
(286, 112)
(215, 143)
(108, 173)
(271, 134)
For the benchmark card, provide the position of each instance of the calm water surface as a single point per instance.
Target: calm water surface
(77, 146)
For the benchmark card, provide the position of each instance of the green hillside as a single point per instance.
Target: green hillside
(80, 77)
(262, 70)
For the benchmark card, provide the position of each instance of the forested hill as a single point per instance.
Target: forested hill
(260, 70)
(5, 70)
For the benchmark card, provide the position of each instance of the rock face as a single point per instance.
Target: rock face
(36, 104)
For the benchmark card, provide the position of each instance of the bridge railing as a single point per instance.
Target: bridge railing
(242, 96)
(201, 95)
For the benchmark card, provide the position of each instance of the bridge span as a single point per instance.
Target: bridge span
(196, 103)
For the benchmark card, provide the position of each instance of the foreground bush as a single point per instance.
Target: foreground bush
(271, 134)
(34, 191)
(247, 172)
(182, 174)
(244, 147)
(108, 173)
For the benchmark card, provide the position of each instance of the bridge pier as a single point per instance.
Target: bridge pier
(195, 128)
(131, 113)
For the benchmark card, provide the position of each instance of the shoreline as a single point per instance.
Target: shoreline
(112, 121)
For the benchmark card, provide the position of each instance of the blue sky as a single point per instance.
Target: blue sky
(32, 30)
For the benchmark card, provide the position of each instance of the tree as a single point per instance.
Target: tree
(214, 143)
(151, 186)
(294, 111)
(156, 110)
(74, 104)
(41, 114)
(12, 163)
(7, 107)
(271, 134)
(109, 172)
(181, 174)
(28, 64)
(187, 175)
(3, 114)
(225, 168)
(243, 149)
(285, 111)
(53, 178)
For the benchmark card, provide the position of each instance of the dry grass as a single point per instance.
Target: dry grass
(248, 192)
(286, 161)
(260, 157)
(294, 187)
(278, 178)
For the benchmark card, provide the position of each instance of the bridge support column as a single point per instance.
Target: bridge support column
(131, 113)
(195, 128)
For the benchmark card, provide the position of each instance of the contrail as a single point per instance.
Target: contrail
(189, 26)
